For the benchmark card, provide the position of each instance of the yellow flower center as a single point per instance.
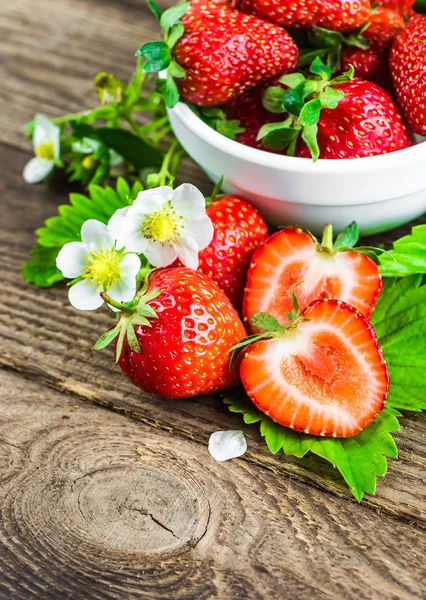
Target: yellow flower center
(103, 268)
(45, 150)
(161, 226)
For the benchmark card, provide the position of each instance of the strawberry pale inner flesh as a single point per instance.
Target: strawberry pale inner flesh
(327, 377)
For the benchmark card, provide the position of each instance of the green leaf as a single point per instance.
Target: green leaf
(101, 204)
(325, 38)
(172, 16)
(262, 320)
(310, 113)
(348, 238)
(400, 324)
(419, 7)
(277, 135)
(408, 255)
(309, 136)
(41, 270)
(360, 459)
(157, 55)
(272, 99)
(171, 92)
(132, 148)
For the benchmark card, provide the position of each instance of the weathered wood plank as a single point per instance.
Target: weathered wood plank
(96, 506)
(43, 336)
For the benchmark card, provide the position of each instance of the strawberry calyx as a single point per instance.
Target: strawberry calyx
(130, 314)
(158, 55)
(419, 7)
(328, 46)
(302, 104)
(270, 326)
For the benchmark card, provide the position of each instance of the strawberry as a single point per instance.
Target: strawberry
(403, 7)
(408, 70)
(173, 339)
(341, 118)
(322, 374)
(337, 15)
(216, 53)
(327, 270)
(372, 63)
(238, 230)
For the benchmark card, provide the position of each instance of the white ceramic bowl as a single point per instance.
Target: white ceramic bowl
(378, 192)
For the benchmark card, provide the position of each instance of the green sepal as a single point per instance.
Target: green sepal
(310, 113)
(175, 34)
(264, 321)
(176, 70)
(419, 7)
(132, 340)
(325, 38)
(155, 9)
(330, 97)
(348, 238)
(171, 92)
(319, 68)
(308, 55)
(347, 76)
(292, 80)
(172, 16)
(157, 55)
(277, 136)
(272, 99)
(108, 337)
(294, 99)
(309, 136)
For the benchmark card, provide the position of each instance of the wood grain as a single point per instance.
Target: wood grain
(97, 506)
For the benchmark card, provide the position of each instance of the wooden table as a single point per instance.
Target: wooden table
(109, 493)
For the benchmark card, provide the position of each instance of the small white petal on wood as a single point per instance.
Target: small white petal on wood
(224, 445)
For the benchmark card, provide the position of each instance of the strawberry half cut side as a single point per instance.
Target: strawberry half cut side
(326, 270)
(324, 374)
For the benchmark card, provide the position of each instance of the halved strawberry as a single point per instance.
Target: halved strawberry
(327, 271)
(323, 374)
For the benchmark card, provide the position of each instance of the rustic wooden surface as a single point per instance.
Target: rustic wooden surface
(109, 493)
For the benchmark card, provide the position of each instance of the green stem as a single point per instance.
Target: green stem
(138, 130)
(159, 136)
(164, 173)
(327, 238)
(154, 125)
(72, 116)
(116, 304)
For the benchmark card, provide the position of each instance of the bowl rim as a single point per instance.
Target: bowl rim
(367, 164)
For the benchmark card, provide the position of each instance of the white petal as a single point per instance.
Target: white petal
(159, 255)
(84, 296)
(189, 202)
(96, 235)
(86, 146)
(71, 259)
(118, 224)
(201, 231)
(127, 231)
(121, 292)
(37, 169)
(224, 445)
(45, 131)
(187, 252)
(150, 201)
(129, 268)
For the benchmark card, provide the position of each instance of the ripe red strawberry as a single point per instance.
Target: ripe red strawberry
(322, 375)
(224, 52)
(372, 63)
(403, 7)
(408, 70)
(292, 255)
(238, 230)
(366, 122)
(178, 335)
(337, 15)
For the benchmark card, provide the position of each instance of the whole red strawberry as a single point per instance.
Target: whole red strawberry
(174, 339)
(372, 63)
(215, 53)
(224, 52)
(238, 230)
(403, 7)
(333, 118)
(366, 122)
(337, 15)
(408, 70)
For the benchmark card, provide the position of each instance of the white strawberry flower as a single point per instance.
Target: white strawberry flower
(46, 142)
(99, 265)
(165, 224)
